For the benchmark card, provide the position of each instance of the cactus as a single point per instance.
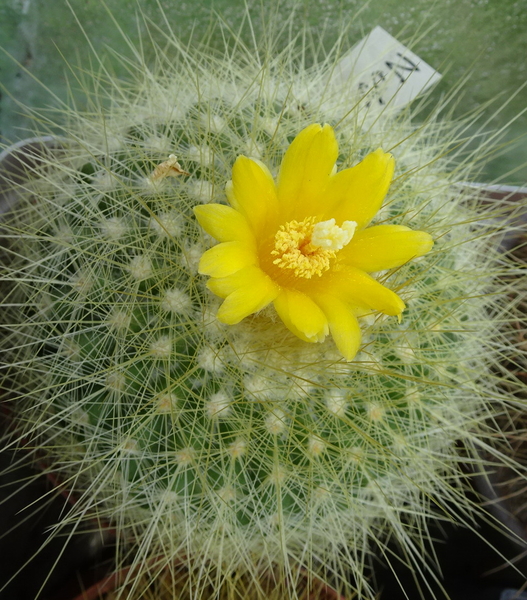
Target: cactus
(241, 447)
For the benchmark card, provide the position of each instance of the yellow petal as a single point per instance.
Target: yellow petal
(343, 325)
(385, 247)
(358, 288)
(305, 171)
(224, 223)
(253, 192)
(255, 293)
(223, 286)
(301, 315)
(227, 258)
(356, 194)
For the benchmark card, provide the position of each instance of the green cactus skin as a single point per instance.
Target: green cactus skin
(243, 448)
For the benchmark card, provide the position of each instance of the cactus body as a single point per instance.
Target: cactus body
(243, 448)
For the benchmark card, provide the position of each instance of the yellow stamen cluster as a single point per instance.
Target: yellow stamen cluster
(307, 248)
(295, 251)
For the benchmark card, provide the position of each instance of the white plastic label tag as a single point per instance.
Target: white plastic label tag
(383, 72)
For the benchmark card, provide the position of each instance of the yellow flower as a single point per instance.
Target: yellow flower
(303, 243)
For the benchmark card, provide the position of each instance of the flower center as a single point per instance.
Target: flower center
(308, 247)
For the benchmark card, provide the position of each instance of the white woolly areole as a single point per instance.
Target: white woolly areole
(202, 190)
(356, 454)
(260, 388)
(82, 282)
(186, 456)
(330, 236)
(150, 186)
(321, 493)
(208, 360)
(212, 123)
(275, 422)
(115, 382)
(278, 475)
(176, 301)
(160, 143)
(140, 267)
(336, 402)
(399, 444)
(130, 446)
(63, 235)
(114, 142)
(162, 347)
(238, 448)
(203, 155)
(191, 256)
(315, 445)
(45, 303)
(166, 225)
(227, 494)
(412, 395)
(254, 149)
(375, 411)
(104, 181)
(406, 353)
(213, 328)
(71, 350)
(219, 405)
(270, 125)
(79, 416)
(169, 497)
(166, 403)
(119, 320)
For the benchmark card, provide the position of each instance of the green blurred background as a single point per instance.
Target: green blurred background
(486, 39)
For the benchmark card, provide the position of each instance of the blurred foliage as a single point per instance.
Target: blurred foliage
(481, 39)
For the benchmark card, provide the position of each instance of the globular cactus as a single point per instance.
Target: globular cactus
(242, 447)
